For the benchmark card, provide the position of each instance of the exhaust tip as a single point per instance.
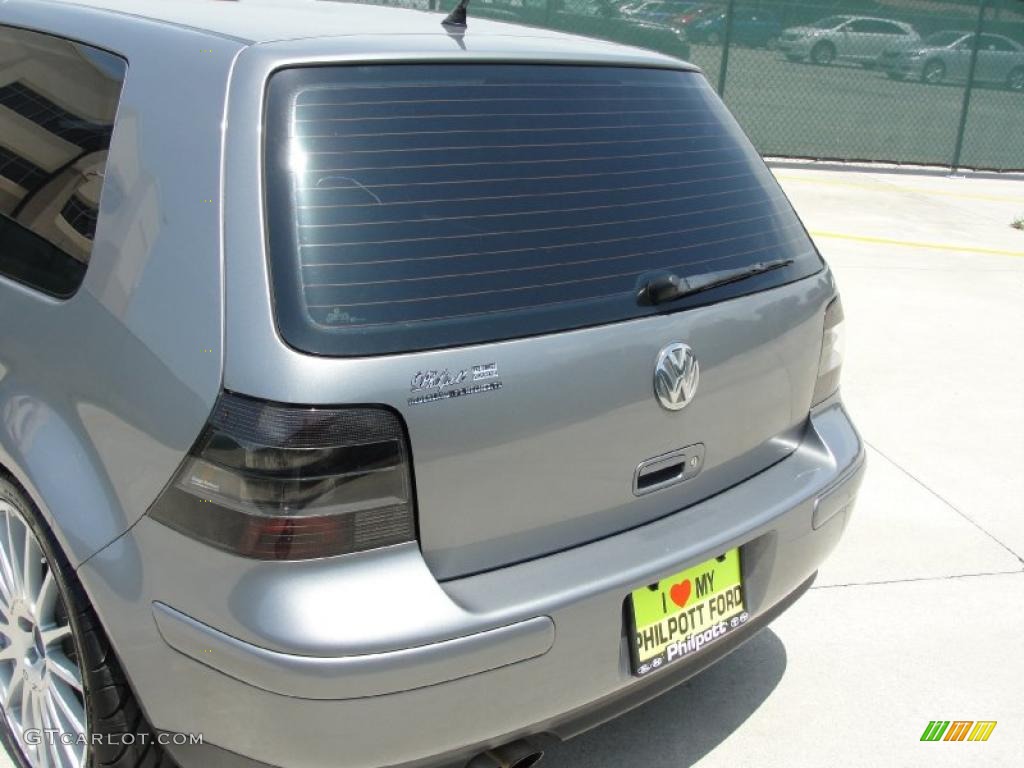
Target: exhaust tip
(528, 761)
(516, 754)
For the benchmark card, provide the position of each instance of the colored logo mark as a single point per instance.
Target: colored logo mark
(958, 730)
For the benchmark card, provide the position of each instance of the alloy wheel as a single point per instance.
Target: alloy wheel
(823, 53)
(934, 72)
(41, 686)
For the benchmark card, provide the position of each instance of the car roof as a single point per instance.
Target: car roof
(300, 30)
(260, 21)
(265, 20)
(879, 18)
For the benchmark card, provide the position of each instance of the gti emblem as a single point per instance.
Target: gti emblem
(675, 376)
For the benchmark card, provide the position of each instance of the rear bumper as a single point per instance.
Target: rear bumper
(414, 661)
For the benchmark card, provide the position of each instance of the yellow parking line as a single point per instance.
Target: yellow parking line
(900, 188)
(912, 244)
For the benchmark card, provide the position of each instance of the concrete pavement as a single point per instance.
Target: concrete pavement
(919, 614)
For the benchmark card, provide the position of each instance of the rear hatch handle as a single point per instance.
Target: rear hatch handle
(668, 469)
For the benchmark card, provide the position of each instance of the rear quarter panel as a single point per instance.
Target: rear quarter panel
(101, 395)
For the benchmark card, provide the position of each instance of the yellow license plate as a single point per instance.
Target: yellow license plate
(684, 613)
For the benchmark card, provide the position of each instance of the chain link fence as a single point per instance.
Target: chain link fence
(934, 82)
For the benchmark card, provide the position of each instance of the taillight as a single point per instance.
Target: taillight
(282, 482)
(832, 344)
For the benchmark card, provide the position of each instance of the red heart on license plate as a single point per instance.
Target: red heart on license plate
(680, 593)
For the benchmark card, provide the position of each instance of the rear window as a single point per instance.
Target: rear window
(416, 207)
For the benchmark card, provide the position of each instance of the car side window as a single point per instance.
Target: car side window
(995, 43)
(879, 27)
(864, 26)
(873, 27)
(58, 99)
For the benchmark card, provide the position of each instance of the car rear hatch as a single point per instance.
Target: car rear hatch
(493, 225)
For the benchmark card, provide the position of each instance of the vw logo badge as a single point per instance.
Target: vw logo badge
(675, 376)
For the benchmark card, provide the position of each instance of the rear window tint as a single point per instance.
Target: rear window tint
(415, 207)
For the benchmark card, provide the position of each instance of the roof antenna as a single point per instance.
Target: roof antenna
(457, 18)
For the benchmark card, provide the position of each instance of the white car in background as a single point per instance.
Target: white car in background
(860, 39)
(946, 57)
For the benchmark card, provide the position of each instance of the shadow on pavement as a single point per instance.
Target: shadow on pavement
(679, 728)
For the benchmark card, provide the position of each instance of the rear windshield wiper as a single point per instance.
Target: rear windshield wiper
(666, 287)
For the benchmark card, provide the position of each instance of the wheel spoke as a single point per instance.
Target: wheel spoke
(62, 668)
(46, 723)
(6, 566)
(26, 701)
(74, 754)
(69, 707)
(8, 654)
(30, 714)
(64, 754)
(55, 635)
(58, 750)
(6, 597)
(14, 689)
(32, 568)
(13, 553)
(46, 599)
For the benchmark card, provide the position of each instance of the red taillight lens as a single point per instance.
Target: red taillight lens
(282, 482)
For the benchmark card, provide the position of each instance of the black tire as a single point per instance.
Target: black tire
(933, 72)
(824, 53)
(1015, 80)
(111, 706)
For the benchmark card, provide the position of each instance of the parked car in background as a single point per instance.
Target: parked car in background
(603, 19)
(759, 29)
(799, 14)
(658, 11)
(946, 56)
(860, 39)
(694, 14)
(678, 14)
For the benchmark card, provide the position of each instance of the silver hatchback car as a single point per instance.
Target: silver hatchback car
(378, 392)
